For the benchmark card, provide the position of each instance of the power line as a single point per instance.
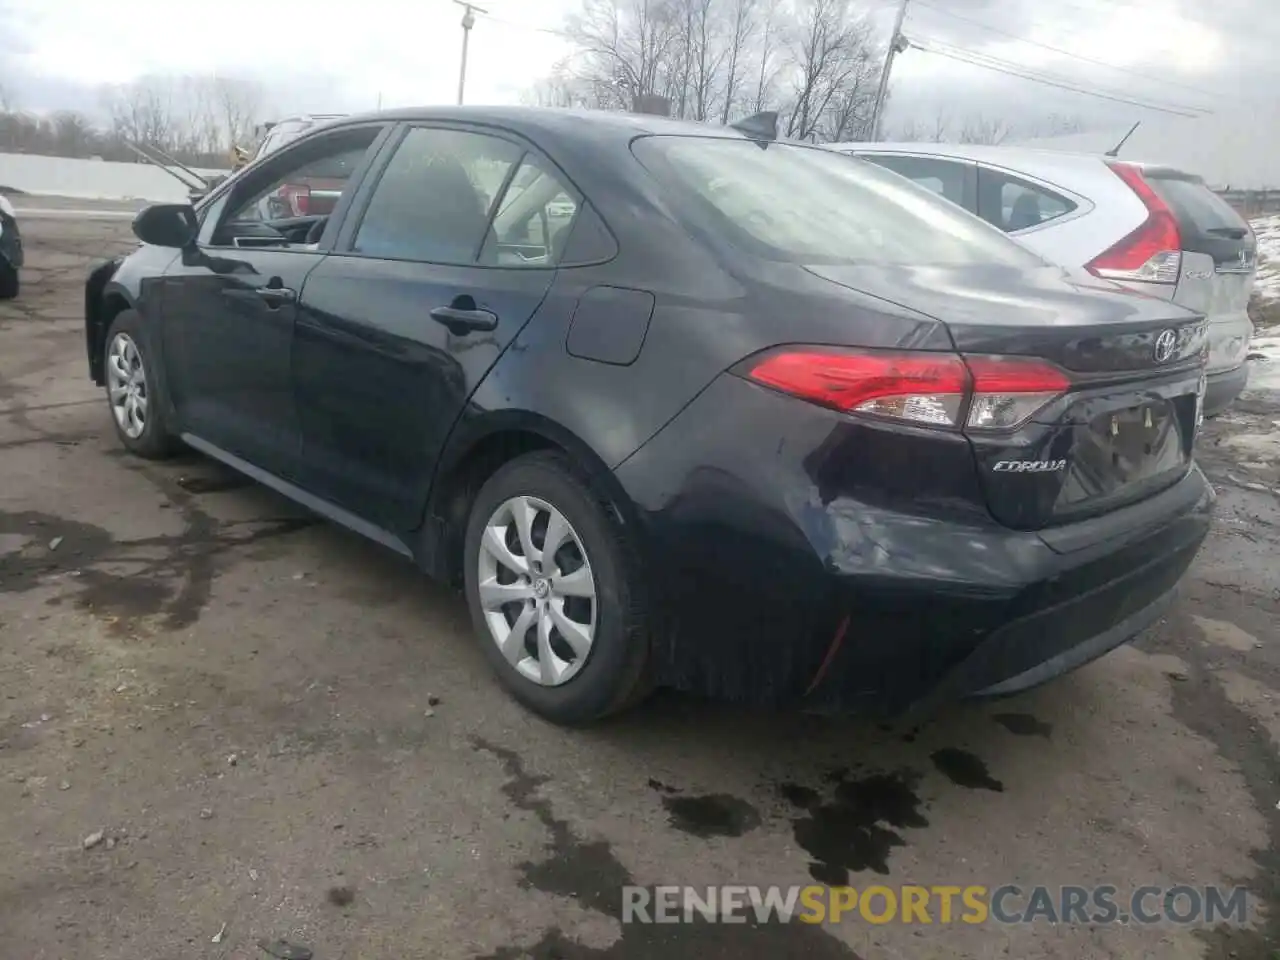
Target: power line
(1022, 70)
(1065, 53)
(528, 26)
(992, 63)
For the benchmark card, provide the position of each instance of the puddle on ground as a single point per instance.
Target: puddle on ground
(857, 828)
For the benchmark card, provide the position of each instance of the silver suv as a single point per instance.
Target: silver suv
(1154, 228)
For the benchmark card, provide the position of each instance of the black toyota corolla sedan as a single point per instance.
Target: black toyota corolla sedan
(675, 404)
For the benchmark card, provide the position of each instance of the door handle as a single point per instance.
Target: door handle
(275, 297)
(461, 321)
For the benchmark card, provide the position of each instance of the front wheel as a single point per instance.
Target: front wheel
(135, 389)
(555, 592)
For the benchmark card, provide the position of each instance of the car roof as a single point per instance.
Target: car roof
(295, 117)
(605, 125)
(967, 151)
(1011, 157)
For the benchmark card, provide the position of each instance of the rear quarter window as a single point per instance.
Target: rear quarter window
(1013, 203)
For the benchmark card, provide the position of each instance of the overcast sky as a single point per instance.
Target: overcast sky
(324, 55)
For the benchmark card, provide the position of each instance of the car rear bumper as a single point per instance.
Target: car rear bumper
(1222, 388)
(1070, 610)
(776, 590)
(10, 242)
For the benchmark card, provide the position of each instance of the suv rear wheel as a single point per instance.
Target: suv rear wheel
(555, 592)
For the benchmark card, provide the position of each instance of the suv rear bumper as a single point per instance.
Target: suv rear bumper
(1223, 387)
(785, 578)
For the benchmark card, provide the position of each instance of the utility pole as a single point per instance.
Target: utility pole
(468, 21)
(897, 43)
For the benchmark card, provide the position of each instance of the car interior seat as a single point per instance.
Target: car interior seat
(1025, 212)
(437, 214)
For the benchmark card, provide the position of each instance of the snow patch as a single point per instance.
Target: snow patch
(1264, 360)
(1267, 230)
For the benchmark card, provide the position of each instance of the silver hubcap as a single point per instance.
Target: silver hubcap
(127, 385)
(537, 591)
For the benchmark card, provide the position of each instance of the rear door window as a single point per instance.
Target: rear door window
(950, 179)
(434, 200)
(1207, 223)
(1012, 203)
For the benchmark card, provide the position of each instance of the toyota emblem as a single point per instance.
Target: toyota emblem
(1165, 344)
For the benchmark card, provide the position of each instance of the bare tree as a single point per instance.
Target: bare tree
(1059, 125)
(560, 88)
(624, 49)
(831, 53)
(919, 131)
(238, 104)
(742, 27)
(143, 111)
(768, 63)
(705, 51)
(73, 134)
(812, 60)
(979, 129)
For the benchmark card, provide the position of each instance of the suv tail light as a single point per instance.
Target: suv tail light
(1152, 252)
(932, 389)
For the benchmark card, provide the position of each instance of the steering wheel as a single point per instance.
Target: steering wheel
(317, 230)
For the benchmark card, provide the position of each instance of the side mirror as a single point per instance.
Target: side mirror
(166, 225)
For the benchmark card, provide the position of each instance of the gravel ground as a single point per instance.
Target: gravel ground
(280, 728)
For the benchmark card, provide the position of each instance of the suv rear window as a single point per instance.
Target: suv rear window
(806, 205)
(1206, 221)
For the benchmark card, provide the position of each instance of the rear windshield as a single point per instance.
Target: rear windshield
(1207, 222)
(806, 205)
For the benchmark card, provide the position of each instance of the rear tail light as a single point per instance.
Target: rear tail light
(932, 389)
(1008, 390)
(923, 387)
(1152, 252)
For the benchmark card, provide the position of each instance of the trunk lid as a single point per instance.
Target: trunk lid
(1124, 428)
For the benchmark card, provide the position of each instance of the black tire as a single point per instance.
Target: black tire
(156, 441)
(614, 674)
(9, 282)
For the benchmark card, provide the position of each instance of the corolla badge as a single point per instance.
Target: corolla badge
(1029, 466)
(1165, 345)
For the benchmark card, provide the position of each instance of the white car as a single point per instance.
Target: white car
(1153, 228)
(10, 250)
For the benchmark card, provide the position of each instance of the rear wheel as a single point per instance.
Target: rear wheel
(9, 282)
(135, 389)
(555, 592)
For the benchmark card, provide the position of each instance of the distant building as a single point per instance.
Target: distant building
(1237, 148)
